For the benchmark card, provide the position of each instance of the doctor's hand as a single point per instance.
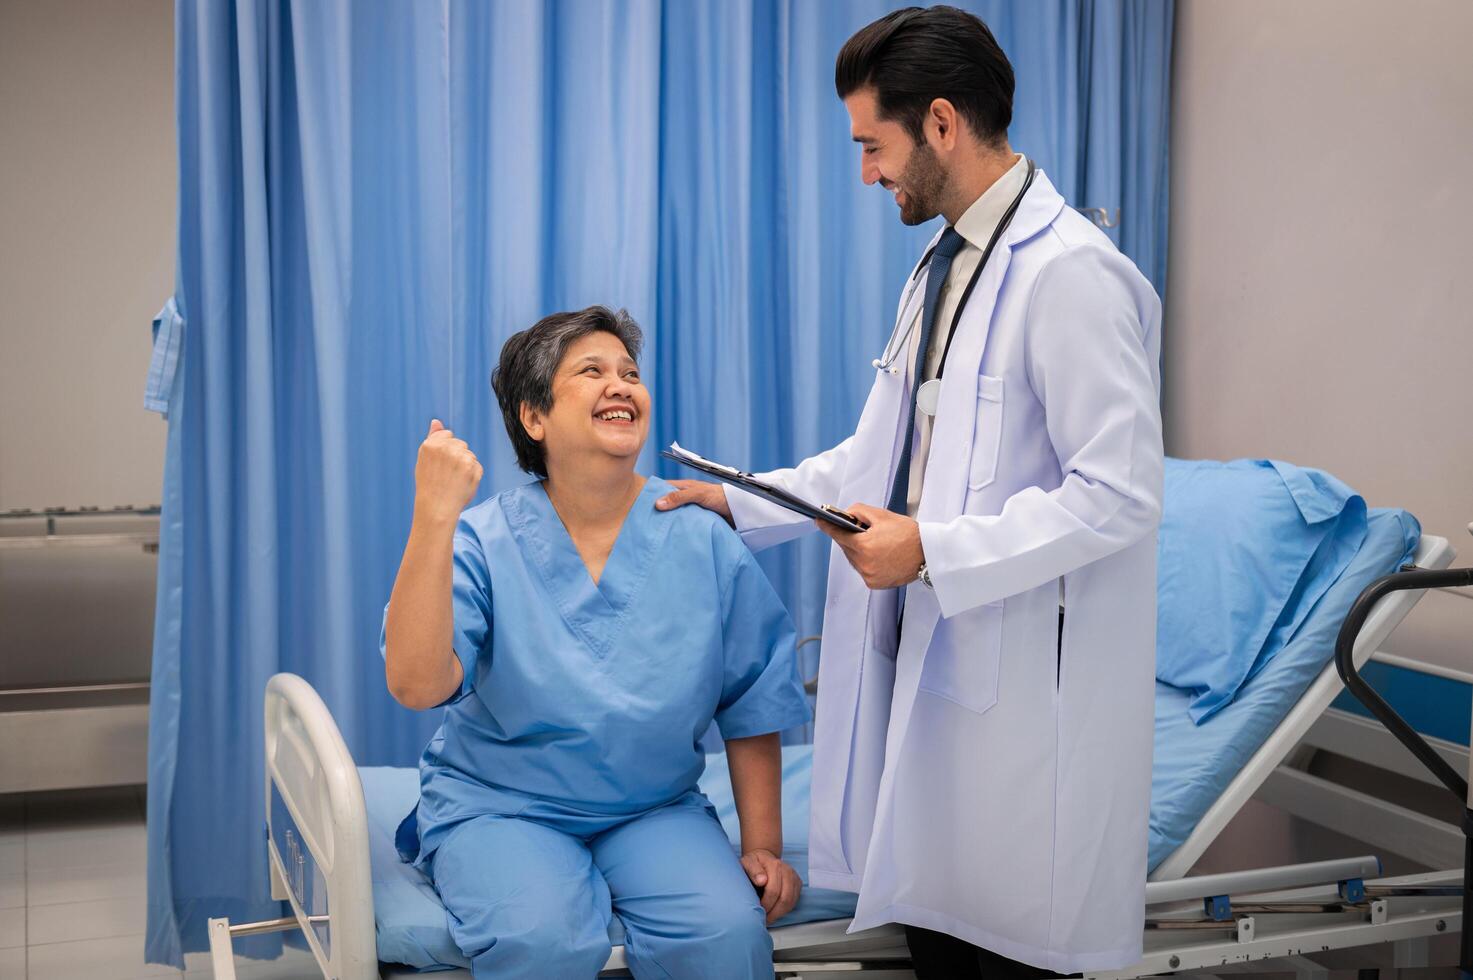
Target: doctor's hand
(711, 496)
(886, 555)
(445, 476)
(775, 880)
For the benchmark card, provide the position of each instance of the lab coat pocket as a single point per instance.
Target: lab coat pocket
(963, 666)
(988, 435)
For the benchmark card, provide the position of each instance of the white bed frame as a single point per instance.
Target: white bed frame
(321, 866)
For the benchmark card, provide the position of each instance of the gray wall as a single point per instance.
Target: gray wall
(87, 201)
(1320, 292)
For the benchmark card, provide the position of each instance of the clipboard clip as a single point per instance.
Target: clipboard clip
(864, 525)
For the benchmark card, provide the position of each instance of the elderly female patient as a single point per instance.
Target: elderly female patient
(584, 642)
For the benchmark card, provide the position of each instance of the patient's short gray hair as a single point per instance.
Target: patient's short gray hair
(530, 359)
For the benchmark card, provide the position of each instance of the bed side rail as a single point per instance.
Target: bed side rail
(317, 838)
(1413, 579)
(1410, 579)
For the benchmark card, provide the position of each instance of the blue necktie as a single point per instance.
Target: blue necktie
(940, 265)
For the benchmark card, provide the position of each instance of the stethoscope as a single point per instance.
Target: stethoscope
(928, 398)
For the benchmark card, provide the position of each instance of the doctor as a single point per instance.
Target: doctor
(982, 757)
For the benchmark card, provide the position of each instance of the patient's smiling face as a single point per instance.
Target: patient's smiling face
(599, 404)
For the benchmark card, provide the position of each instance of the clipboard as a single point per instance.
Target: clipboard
(776, 495)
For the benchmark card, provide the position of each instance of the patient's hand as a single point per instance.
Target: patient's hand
(775, 880)
(445, 475)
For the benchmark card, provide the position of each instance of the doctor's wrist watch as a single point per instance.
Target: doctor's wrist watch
(925, 576)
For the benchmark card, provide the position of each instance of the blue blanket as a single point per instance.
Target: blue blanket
(1247, 549)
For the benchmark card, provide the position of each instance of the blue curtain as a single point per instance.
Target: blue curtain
(373, 197)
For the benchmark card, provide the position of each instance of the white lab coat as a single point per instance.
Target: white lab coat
(977, 781)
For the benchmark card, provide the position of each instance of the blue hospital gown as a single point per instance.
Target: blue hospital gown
(578, 724)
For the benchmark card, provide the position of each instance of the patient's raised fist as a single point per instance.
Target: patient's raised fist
(446, 475)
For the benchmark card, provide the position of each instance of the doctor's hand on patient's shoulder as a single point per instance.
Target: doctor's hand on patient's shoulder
(446, 475)
(776, 882)
(886, 555)
(711, 496)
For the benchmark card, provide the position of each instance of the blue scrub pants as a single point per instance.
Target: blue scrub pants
(531, 896)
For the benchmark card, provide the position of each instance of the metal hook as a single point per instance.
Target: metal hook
(1101, 216)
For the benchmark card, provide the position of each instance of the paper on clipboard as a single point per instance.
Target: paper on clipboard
(777, 495)
(682, 455)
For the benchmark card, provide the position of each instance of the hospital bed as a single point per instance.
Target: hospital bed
(330, 829)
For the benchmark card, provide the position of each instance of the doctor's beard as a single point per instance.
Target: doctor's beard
(924, 182)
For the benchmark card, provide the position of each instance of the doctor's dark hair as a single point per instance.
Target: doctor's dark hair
(918, 54)
(530, 359)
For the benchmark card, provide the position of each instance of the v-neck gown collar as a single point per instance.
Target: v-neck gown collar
(595, 612)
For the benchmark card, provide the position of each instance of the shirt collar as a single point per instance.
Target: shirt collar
(980, 220)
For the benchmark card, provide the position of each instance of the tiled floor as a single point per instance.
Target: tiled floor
(72, 893)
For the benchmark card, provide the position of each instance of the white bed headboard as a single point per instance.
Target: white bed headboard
(317, 830)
